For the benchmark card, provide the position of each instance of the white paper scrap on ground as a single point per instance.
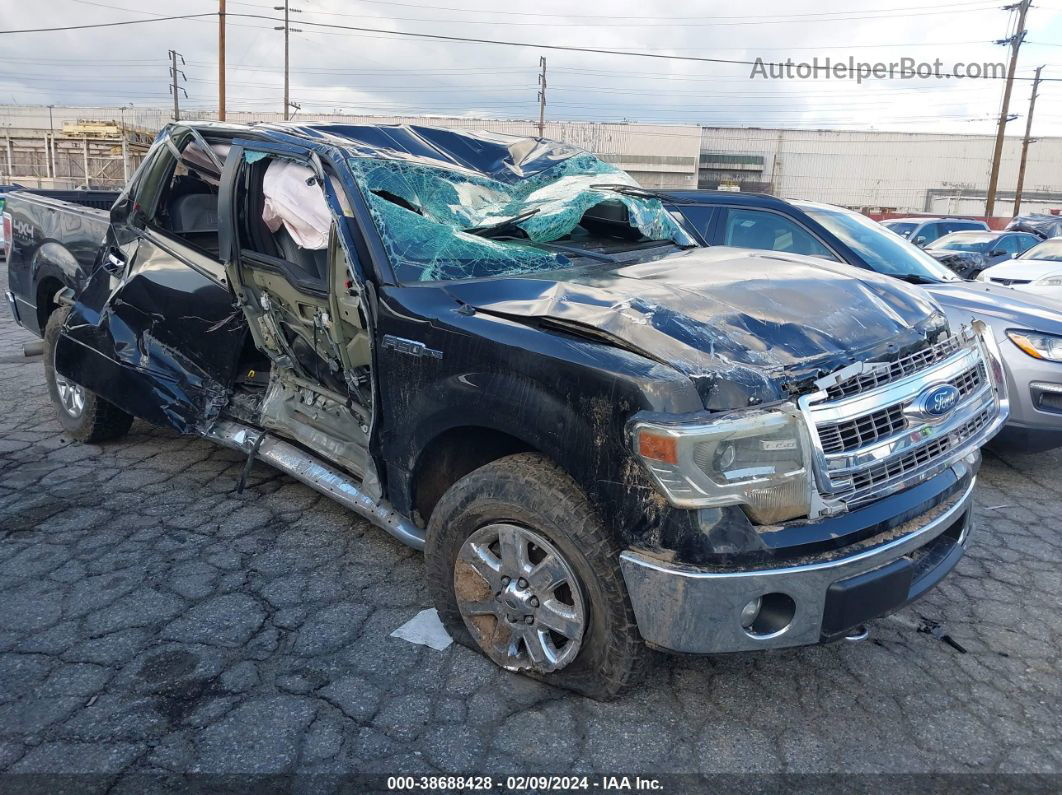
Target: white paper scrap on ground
(426, 629)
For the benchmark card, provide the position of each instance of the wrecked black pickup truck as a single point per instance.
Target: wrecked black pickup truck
(504, 352)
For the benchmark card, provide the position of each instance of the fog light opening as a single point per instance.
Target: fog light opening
(767, 616)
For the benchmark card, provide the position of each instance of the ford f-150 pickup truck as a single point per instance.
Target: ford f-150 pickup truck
(501, 350)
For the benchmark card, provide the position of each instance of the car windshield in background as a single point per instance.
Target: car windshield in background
(902, 228)
(441, 224)
(883, 252)
(1048, 251)
(965, 241)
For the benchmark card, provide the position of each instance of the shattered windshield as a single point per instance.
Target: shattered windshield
(450, 223)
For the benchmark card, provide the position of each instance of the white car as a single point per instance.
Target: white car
(1038, 270)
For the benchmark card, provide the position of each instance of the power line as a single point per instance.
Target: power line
(711, 18)
(714, 22)
(570, 48)
(108, 24)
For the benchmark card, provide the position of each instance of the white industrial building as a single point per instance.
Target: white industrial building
(906, 172)
(887, 171)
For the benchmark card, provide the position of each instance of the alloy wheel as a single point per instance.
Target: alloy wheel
(519, 598)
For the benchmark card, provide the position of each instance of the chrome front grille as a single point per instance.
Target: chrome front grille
(851, 434)
(970, 381)
(836, 437)
(896, 468)
(894, 371)
(872, 437)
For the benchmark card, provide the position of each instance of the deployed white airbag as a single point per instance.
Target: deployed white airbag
(294, 199)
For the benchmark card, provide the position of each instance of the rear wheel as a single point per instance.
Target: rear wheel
(521, 569)
(83, 414)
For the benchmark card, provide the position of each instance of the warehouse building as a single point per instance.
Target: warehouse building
(881, 171)
(872, 171)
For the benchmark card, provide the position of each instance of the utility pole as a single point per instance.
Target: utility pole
(997, 154)
(125, 143)
(1025, 142)
(51, 145)
(221, 60)
(542, 96)
(174, 88)
(286, 27)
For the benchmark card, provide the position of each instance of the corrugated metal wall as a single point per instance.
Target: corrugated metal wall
(656, 155)
(905, 171)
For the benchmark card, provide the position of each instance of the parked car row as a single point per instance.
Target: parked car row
(969, 253)
(923, 231)
(611, 423)
(1037, 271)
(1027, 326)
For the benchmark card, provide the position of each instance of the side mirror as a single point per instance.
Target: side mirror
(997, 252)
(920, 240)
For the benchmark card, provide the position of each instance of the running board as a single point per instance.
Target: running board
(331, 482)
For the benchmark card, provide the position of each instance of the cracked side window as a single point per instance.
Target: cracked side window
(446, 223)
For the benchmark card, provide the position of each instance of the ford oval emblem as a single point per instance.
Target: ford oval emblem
(937, 401)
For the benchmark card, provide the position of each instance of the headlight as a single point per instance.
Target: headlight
(1037, 345)
(751, 458)
(1052, 280)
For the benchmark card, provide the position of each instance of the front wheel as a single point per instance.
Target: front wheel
(83, 414)
(521, 569)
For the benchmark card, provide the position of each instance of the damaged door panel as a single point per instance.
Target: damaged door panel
(156, 329)
(296, 288)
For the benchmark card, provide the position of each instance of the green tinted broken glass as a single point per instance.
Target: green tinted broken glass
(423, 214)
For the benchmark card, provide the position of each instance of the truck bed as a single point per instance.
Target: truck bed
(56, 237)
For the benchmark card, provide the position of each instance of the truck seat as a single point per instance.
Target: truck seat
(313, 262)
(195, 213)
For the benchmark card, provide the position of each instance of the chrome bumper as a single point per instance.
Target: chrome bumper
(693, 610)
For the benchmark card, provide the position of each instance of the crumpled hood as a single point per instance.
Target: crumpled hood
(985, 301)
(748, 326)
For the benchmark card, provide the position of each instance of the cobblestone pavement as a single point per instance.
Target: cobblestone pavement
(153, 620)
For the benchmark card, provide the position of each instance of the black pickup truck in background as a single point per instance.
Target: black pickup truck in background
(504, 352)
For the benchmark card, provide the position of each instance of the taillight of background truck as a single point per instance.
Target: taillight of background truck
(7, 235)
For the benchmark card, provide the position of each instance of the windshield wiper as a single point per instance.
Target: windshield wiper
(501, 227)
(631, 190)
(915, 278)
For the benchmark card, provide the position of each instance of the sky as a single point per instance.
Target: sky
(337, 69)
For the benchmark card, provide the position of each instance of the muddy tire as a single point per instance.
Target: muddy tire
(83, 414)
(521, 569)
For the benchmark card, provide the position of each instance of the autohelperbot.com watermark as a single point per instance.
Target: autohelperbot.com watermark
(851, 69)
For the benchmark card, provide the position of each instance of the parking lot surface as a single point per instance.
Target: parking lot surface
(152, 620)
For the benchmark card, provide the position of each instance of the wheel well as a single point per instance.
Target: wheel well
(46, 304)
(453, 454)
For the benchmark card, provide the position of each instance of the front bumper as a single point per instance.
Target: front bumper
(696, 610)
